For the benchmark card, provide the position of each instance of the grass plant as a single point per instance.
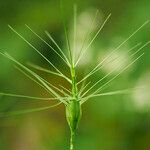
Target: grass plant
(81, 91)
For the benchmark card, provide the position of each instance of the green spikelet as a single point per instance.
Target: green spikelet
(73, 114)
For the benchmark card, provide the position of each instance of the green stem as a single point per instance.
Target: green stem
(72, 140)
(74, 83)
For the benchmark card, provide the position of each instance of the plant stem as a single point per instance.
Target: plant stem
(72, 140)
(73, 112)
(74, 83)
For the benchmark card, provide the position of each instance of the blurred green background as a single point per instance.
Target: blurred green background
(120, 122)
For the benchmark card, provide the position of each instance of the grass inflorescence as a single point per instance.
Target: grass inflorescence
(79, 94)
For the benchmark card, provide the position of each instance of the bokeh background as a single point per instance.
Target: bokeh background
(120, 122)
